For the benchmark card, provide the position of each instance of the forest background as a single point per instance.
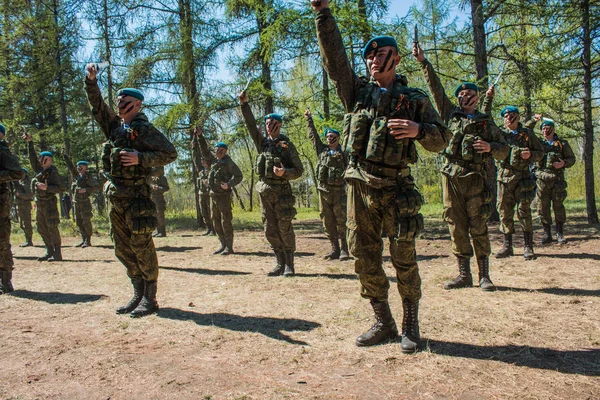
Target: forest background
(192, 58)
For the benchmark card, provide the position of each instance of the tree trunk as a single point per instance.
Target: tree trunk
(326, 111)
(108, 51)
(59, 81)
(479, 42)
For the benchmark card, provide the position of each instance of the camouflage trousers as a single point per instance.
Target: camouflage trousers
(205, 210)
(83, 217)
(47, 219)
(509, 195)
(222, 217)
(24, 210)
(161, 206)
(466, 214)
(372, 212)
(552, 193)
(277, 204)
(135, 251)
(6, 259)
(333, 212)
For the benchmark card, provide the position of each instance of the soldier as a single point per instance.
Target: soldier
(385, 118)
(84, 184)
(159, 185)
(515, 183)
(10, 171)
(331, 187)
(134, 147)
(551, 183)
(277, 164)
(204, 193)
(467, 200)
(46, 185)
(224, 175)
(24, 197)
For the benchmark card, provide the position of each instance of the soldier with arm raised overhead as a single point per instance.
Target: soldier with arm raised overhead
(384, 119)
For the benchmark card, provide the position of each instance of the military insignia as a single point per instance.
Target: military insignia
(374, 45)
(133, 134)
(464, 86)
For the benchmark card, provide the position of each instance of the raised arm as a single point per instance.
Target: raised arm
(250, 121)
(202, 145)
(33, 157)
(313, 134)
(104, 115)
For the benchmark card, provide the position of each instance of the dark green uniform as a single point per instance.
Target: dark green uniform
(160, 186)
(132, 213)
(10, 171)
(204, 193)
(81, 190)
(47, 216)
(24, 198)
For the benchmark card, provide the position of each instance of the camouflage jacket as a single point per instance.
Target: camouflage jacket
(23, 192)
(85, 181)
(10, 169)
(153, 147)
(160, 184)
(331, 163)
(554, 152)
(204, 190)
(49, 176)
(364, 99)
(514, 166)
(221, 171)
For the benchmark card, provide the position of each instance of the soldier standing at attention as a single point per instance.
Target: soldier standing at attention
(516, 186)
(467, 200)
(10, 171)
(24, 197)
(384, 119)
(134, 147)
(84, 184)
(46, 184)
(331, 187)
(223, 176)
(551, 183)
(277, 164)
(159, 185)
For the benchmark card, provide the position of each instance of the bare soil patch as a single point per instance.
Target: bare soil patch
(227, 331)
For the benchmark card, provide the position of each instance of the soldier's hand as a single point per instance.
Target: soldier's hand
(81, 190)
(224, 185)
(491, 92)
(417, 52)
(537, 117)
(307, 113)
(558, 164)
(279, 171)
(41, 186)
(91, 71)
(205, 182)
(525, 154)
(482, 146)
(130, 158)
(243, 97)
(27, 137)
(319, 5)
(403, 128)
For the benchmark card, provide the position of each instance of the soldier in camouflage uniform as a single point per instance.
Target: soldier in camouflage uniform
(134, 146)
(277, 164)
(551, 183)
(516, 185)
(159, 185)
(467, 200)
(331, 187)
(224, 175)
(46, 185)
(204, 193)
(84, 184)
(385, 118)
(24, 197)
(10, 171)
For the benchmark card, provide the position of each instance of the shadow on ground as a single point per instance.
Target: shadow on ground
(554, 290)
(58, 298)
(576, 256)
(271, 327)
(204, 271)
(270, 254)
(170, 249)
(580, 362)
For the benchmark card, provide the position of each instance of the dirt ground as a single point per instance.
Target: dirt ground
(227, 331)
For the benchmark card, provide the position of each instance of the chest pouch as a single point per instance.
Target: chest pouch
(356, 130)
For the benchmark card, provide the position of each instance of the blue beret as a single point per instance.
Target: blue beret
(46, 154)
(2, 129)
(25, 170)
(329, 130)
(221, 144)
(277, 117)
(84, 163)
(466, 85)
(131, 92)
(377, 42)
(546, 122)
(509, 109)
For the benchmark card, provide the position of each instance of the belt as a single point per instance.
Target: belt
(270, 181)
(466, 164)
(128, 182)
(388, 172)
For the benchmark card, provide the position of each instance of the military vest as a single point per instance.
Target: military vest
(80, 182)
(517, 142)
(552, 153)
(331, 167)
(366, 135)
(275, 153)
(465, 131)
(43, 177)
(219, 173)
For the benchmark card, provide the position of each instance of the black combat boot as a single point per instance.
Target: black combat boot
(485, 283)
(87, 242)
(507, 247)
(80, 244)
(228, 248)
(344, 254)
(160, 232)
(334, 254)
(28, 242)
(138, 293)
(148, 305)
(289, 264)
(208, 232)
(49, 253)
(6, 284)
(560, 237)
(384, 328)
(57, 255)
(411, 337)
(464, 278)
(547, 236)
(221, 248)
(278, 270)
(528, 253)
